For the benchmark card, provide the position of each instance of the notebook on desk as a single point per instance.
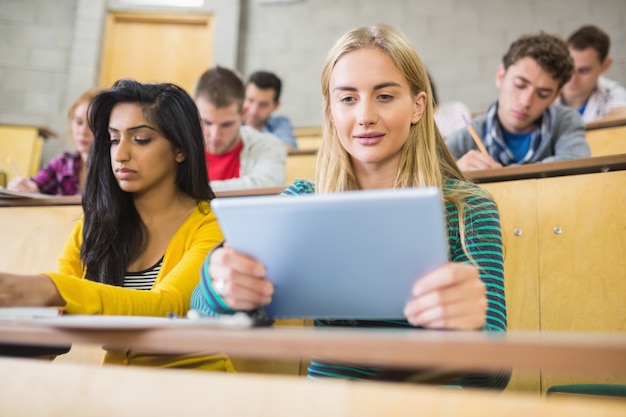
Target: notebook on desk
(5, 193)
(29, 312)
(350, 255)
(118, 322)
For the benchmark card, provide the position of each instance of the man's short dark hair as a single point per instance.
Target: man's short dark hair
(590, 36)
(265, 80)
(549, 51)
(221, 87)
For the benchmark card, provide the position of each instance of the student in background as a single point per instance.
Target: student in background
(237, 156)
(65, 174)
(379, 133)
(147, 224)
(522, 127)
(594, 96)
(263, 90)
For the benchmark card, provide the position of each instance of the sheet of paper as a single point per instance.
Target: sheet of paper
(28, 312)
(4, 193)
(114, 322)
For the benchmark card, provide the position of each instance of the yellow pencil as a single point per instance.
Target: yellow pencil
(13, 167)
(477, 140)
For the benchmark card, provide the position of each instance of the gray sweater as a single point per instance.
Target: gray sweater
(565, 139)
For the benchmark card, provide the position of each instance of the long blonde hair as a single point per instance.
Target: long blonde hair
(425, 159)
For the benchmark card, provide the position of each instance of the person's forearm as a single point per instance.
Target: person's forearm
(29, 291)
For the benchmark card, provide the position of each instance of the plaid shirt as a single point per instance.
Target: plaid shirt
(60, 176)
(499, 149)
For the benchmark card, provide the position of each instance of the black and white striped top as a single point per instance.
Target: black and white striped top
(143, 280)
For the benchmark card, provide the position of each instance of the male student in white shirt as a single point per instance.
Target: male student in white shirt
(594, 96)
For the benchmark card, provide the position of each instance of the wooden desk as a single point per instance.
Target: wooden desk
(300, 165)
(23, 145)
(55, 386)
(605, 124)
(38, 388)
(606, 137)
(33, 236)
(250, 192)
(607, 141)
(474, 351)
(40, 202)
(76, 200)
(34, 231)
(550, 169)
(573, 281)
(563, 229)
(308, 138)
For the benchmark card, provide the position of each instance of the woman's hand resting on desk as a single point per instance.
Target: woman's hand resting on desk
(239, 279)
(451, 297)
(475, 160)
(22, 184)
(28, 291)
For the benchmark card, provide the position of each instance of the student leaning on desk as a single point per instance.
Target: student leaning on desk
(147, 223)
(522, 126)
(65, 174)
(594, 96)
(379, 132)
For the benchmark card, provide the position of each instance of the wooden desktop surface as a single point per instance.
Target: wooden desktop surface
(43, 388)
(296, 152)
(538, 262)
(606, 123)
(30, 202)
(76, 200)
(550, 169)
(595, 353)
(539, 170)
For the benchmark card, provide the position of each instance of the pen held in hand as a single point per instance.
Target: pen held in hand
(477, 140)
(13, 167)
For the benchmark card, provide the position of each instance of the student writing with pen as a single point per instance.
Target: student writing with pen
(65, 174)
(523, 126)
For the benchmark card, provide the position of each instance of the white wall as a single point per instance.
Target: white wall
(50, 49)
(461, 41)
(50, 53)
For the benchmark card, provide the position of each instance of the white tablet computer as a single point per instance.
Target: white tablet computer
(349, 255)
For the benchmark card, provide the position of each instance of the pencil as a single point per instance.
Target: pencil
(13, 167)
(477, 140)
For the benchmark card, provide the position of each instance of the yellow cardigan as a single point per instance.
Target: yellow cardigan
(171, 292)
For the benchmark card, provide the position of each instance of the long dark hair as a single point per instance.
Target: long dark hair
(113, 232)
